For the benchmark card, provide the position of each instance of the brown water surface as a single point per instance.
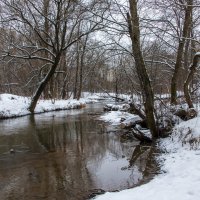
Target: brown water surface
(65, 155)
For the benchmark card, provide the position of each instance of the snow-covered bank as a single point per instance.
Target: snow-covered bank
(15, 106)
(180, 166)
(117, 117)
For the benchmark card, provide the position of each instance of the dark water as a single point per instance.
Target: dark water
(65, 155)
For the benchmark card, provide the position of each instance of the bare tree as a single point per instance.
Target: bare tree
(46, 34)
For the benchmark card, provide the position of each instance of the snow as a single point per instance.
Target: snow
(146, 132)
(186, 134)
(167, 95)
(180, 177)
(93, 97)
(103, 95)
(116, 117)
(121, 107)
(14, 106)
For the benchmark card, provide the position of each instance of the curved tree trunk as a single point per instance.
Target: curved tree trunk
(133, 23)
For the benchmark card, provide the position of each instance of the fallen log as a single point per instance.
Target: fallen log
(141, 136)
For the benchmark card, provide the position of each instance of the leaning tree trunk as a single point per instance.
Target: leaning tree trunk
(43, 84)
(180, 52)
(133, 23)
(193, 68)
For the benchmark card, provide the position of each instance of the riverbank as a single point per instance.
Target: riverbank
(180, 177)
(12, 106)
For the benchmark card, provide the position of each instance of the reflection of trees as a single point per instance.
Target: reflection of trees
(78, 139)
(20, 138)
(73, 142)
(143, 159)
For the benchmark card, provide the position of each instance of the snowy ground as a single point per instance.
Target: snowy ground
(116, 117)
(14, 106)
(180, 166)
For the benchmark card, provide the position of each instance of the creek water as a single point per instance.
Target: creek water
(65, 155)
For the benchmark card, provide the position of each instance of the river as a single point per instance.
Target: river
(66, 155)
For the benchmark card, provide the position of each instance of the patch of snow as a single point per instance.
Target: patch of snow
(92, 97)
(130, 120)
(104, 95)
(113, 107)
(185, 135)
(145, 132)
(167, 95)
(116, 117)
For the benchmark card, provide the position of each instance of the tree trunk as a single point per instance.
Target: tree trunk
(77, 72)
(63, 90)
(186, 28)
(43, 84)
(46, 5)
(133, 23)
(81, 69)
(80, 82)
(193, 67)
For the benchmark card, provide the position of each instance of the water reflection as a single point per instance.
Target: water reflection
(64, 155)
